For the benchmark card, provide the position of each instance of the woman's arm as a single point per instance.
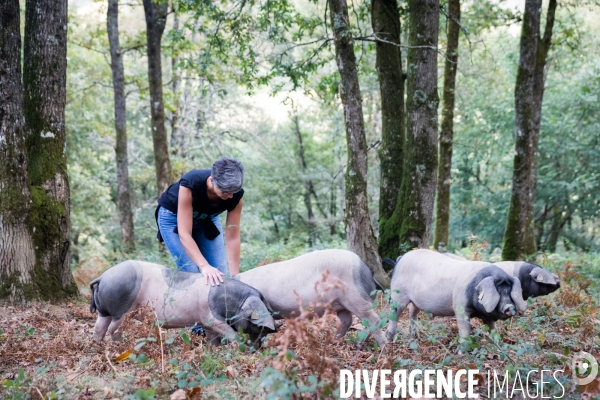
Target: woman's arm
(232, 238)
(185, 222)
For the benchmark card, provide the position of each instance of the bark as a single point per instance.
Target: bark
(521, 197)
(124, 199)
(177, 145)
(156, 16)
(44, 79)
(558, 222)
(308, 187)
(539, 80)
(359, 232)
(17, 256)
(386, 24)
(442, 222)
(414, 210)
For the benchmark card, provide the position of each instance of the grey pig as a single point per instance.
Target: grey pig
(535, 279)
(180, 299)
(445, 286)
(282, 282)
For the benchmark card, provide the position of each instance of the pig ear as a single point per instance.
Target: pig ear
(262, 318)
(258, 314)
(488, 295)
(517, 295)
(542, 275)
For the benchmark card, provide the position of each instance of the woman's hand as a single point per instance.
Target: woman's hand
(212, 275)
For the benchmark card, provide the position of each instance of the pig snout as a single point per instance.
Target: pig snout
(509, 310)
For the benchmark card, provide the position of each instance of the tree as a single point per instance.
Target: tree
(177, 139)
(156, 17)
(539, 80)
(35, 206)
(308, 186)
(442, 214)
(522, 187)
(411, 219)
(385, 19)
(359, 232)
(17, 255)
(116, 65)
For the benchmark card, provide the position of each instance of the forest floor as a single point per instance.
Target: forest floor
(46, 351)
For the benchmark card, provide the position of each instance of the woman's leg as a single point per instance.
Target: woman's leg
(167, 222)
(213, 250)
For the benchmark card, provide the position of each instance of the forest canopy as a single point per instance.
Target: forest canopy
(264, 88)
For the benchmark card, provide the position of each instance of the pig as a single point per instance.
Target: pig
(281, 283)
(180, 299)
(444, 286)
(535, 280)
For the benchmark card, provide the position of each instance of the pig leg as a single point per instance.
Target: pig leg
(345, 317)
(213, 338)
(221, 329)
(414, 314)
(401, 301)
(114, 331)
(490, 324)
(100, 327)
(464, 326)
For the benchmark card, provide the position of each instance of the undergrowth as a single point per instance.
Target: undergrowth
(46, 351)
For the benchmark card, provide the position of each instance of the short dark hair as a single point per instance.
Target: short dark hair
(228, 174)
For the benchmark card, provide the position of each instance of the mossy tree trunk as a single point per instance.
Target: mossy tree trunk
(442, 213)
(522, 189)
(414, 209)
(385, 19)
(359, 232)
(156, 17)
(17, 255)
(124, 197)
(539, 80)
(45, 79)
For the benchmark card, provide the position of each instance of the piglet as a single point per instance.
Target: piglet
(180, 299)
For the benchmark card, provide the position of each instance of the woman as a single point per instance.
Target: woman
(188, 220)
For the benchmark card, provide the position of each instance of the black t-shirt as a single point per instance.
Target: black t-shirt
(195, 180)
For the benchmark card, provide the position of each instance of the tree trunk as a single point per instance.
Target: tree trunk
(359, 232)
(521, 198)
(44, 80)
(414, 209)
(558, 221)
(124, 201)
(176, 134)
(442, 214)
(156, 16)
(17, 255)
(385, 19)
(539, 79)
(308, 186)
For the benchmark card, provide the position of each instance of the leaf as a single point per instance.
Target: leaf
(186, 339)
(194, 393)
(179, 394)
(123, 356)
(231, 372)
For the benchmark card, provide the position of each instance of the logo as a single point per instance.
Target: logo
(584, 367)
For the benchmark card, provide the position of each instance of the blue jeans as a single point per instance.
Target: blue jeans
(212, 250)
